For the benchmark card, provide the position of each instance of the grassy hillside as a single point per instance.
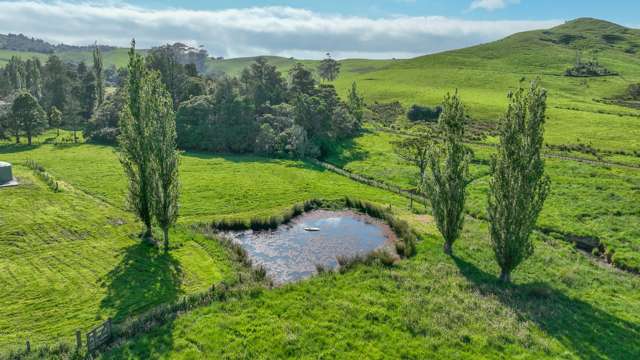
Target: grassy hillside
(586, 200)
(117, 57)
(76, 260)
(430, 306)
(564, 304)
(484, 74)
(69, 261)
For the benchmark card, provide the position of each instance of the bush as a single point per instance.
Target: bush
(633, 92)
(424, 113)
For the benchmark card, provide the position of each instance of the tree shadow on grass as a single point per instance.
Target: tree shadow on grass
(145, 276)
(347, 151)
(590, 332)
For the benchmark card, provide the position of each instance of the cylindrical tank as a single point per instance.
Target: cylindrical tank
(5, 172)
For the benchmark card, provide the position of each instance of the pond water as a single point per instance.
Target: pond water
(291, 253)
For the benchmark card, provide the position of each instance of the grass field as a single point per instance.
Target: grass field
(484, 74)
(84, 242)
(430, 306)
(116, 57)
(70, 259)
(585, 200)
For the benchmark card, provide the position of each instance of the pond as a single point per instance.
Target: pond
(319, 237)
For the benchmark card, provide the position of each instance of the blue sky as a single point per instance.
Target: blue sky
(625, 12)
(302, 28)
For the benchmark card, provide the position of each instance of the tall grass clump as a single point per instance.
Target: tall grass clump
(269, 222)
(40, 171)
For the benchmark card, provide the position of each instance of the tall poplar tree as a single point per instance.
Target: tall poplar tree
(99, 76)
(519, 186)
(135, 141)
(446, 181)
(159, 108)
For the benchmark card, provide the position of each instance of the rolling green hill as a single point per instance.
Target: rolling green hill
(485, 73)
(116, 57)
(76, 260)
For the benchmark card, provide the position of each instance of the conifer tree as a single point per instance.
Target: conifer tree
(446, 181)
(518, 186)
(329, 68)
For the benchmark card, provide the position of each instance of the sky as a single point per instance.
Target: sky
(374, 29)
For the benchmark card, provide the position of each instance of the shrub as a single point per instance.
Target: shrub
(424, 113)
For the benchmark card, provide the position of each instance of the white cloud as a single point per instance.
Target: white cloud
(490, 5)
(281, 31)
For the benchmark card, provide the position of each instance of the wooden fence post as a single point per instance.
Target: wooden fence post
(109, 327)
(78, 339)
(28, 346)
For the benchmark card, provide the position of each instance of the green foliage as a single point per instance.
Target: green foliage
(263, 84)
(301, 81)
(99, 74)
(103, 126)
(329, 69)
(164, 155)
(446, 181)
(355, 104)
(633, 92)
(28, 116)
(169, 61)
(136, 140)
(385, 113)
(424, 113)
(56, 84)
(415, 150)
(518, 187)
(40, 171)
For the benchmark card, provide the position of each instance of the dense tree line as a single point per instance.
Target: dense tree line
(68, 94)
(263, 112)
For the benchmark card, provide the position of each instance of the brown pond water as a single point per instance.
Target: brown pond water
(291, 253)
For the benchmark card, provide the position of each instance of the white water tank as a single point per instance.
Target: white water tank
(6, 176)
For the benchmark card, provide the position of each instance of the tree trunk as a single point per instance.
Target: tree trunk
(166, 239)
(29, 139)
(147, 235)
(17, 139)
(447, 248)
(75, 138)
(505, 276)
(57, 132)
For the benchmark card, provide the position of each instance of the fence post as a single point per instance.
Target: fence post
(109, 326)
(28, 346)
(78, 339)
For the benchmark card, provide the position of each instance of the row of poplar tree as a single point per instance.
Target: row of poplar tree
(518, 186)
(147, 147)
